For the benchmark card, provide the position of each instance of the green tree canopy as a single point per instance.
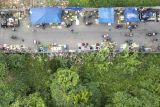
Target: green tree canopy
(33, 100)
(67, 90)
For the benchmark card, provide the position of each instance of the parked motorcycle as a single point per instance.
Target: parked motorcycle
(151, 33)
(14, 37)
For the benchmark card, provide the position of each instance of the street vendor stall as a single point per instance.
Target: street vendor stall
(85, 47)
(158, 15)
(131, 15)
(106, 15)
(45, 15)
(52, 48)
(12, 22)
(90, 17)
(9, 19)
(148, 14)
(70, 15)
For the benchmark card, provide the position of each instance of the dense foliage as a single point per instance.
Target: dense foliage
(113, 3)
(99, 79)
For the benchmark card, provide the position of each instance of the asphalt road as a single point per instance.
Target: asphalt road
(91, 34)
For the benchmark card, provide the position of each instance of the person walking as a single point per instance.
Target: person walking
(71, 30)
(22, 40)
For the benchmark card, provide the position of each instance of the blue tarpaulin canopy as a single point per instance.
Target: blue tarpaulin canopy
(106, 15)
(147, 14)
(131, 15)
(74, 8)
(45, 15)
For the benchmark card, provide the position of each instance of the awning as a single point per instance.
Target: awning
(106, 15)
(45, 15)
(148, 13)
(74, 8)
(131, 14)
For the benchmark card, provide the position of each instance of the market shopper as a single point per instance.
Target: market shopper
(33, 30)
(22, 40)
(72, 30)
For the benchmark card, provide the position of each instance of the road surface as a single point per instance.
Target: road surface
(91, 34)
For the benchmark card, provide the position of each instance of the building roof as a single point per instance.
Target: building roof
(106, 15)
(131, 14)
(44, 15)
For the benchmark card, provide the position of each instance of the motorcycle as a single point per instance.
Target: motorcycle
(14, 37)
(152, 34)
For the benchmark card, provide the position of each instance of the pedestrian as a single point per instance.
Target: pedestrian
(34, 41)
(154, 40)
(72, 30)
(22, 40)
(43, 26)
(14, 29)
(130, 30)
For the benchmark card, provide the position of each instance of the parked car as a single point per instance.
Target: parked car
(151, 33)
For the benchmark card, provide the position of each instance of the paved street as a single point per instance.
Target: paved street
(91, 34)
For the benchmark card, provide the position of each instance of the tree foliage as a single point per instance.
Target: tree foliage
(95, 79)
(67, 91)
(33, 100)
(113, 3)
(6, 95)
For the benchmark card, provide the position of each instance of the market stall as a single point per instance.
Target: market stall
(106, 16)
(9, 19)
(71, 15)
(90, 17)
